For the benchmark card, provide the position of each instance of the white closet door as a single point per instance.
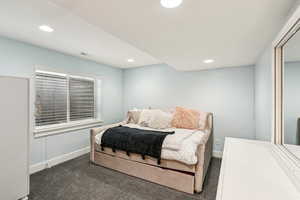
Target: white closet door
(14, 117)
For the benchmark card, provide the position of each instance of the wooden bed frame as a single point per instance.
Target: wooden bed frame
(170, 173)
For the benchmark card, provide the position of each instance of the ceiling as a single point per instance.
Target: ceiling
(231, 32)
(20, 20)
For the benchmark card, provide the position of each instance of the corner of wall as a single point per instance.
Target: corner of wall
(123, 93)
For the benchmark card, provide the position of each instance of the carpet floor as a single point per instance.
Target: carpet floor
(79, 180)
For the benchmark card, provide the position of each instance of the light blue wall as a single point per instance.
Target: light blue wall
(228, 93)
(264, 87)
(20, 59)
(264, 96)
(291, 101)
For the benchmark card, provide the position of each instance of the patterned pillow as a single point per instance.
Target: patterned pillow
(186, 118)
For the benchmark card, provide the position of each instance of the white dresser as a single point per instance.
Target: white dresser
(14, 116)
(250, 172)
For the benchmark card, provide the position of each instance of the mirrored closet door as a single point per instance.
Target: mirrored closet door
(291, 94)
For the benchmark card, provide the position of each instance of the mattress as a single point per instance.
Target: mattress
(180, 146)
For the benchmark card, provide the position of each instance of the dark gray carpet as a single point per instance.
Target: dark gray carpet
(79, 180)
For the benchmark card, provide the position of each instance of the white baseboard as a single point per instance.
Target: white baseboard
(217, 154)
(37, 167)
(57, 160)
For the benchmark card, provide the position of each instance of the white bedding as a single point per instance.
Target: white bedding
(180, 146)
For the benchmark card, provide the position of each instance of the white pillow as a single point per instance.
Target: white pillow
(133, 116)
(145, 117)
(160, 120)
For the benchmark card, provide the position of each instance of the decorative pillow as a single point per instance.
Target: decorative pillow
(160, 120)
(133, 116)
(186, 118)
(145, 117)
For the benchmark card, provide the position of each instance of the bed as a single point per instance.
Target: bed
(186, 175)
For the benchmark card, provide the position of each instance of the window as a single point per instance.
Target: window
(62, 99)
(51, 99)
(82, 99)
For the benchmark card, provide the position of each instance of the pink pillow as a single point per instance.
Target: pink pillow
(203, 120)
(186, 118)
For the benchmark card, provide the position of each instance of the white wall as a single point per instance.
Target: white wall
(228, 93)
(20, 59)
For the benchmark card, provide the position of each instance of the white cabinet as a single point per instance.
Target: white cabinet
(250, 172)
(14, 136)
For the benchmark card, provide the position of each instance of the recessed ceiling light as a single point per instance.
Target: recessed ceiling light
(208, 61)
(46, 28)
(170, 3)
(130, 60)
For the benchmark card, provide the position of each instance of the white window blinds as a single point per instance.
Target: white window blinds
(51, 99)
(82, 99)
(63, 98)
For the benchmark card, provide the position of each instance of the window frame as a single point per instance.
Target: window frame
(46, 130)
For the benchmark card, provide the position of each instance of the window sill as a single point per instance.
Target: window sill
(44, 132)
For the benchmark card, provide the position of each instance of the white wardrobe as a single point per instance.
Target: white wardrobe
(14, 138)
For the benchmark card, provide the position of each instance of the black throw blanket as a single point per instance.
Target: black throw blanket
(132, 140)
